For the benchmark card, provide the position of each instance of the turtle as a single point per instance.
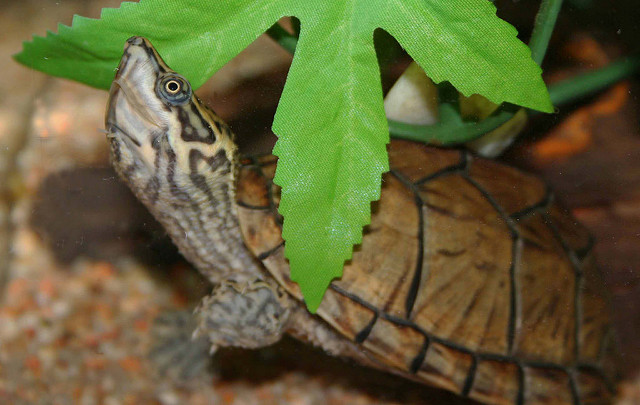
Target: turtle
(470, 277)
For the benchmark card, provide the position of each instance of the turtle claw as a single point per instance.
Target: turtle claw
(248, 315)
(175, 351)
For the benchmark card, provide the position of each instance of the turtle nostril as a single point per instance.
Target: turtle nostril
(135, 41)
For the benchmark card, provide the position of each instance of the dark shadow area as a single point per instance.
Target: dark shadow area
(89, 212)
(290, 355)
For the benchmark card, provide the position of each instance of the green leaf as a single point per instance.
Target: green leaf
(330, 121)
(196, 38)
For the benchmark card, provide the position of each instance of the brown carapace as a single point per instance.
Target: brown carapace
(470, 277)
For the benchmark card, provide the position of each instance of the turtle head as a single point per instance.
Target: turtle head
(160, 132)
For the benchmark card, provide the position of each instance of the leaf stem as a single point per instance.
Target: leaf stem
(448, 104)
(283, 37)
(452, 132)
(563, 92)
(590, 82)
(543, 28)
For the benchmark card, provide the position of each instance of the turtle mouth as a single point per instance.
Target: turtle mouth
(133, 107)
(127, 127)
(121, 88)
(136, 118)
(129, 123)
(113, 130)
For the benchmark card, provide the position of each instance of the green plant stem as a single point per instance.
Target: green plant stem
(561, 93)
(588, 83)
(283, 37)
(449, 133)
(543, 28)
(454, 132)
(448, 104)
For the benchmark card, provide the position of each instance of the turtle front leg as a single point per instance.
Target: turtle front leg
(243, 314)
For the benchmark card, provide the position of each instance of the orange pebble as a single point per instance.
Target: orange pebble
(97, 362)
(227, 395)
(141, 325)
(33, 364)
(102, 271)
(131, 364)
(17, 287)
(47, 287)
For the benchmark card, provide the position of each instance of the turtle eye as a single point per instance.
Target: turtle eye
(174, 89)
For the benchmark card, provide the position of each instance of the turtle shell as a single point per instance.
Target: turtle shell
(469, 278)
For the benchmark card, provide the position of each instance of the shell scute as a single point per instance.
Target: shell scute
(253, 190)
(572, 234)
(352, 318)
(466, 236)
(547, 386)
(261, 230)
(535, 231)
(392, 245)
(496, 382)
(469, 278)
(593, 390)
(501, 183)
(547, 321)
(594, 321)
(386, 335)
(446, 367)
(453, 195)
(419, 164)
